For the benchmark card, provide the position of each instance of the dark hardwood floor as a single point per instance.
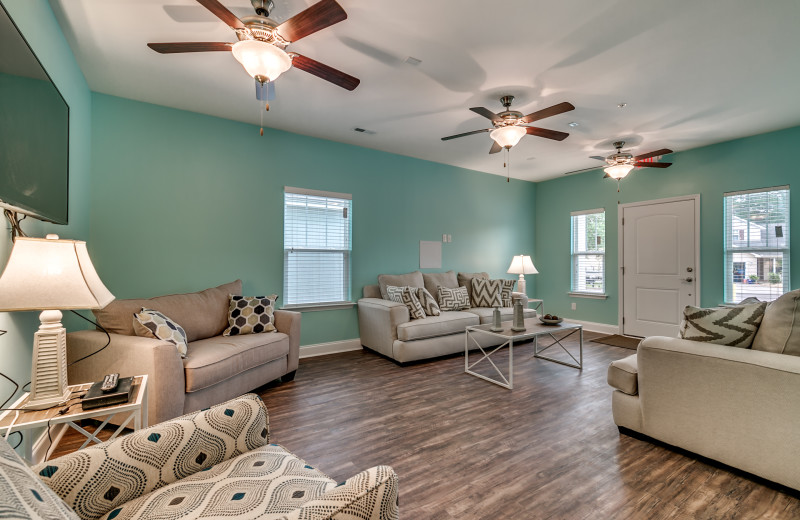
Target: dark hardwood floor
(467, 449)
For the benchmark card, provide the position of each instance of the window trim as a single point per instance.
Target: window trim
(573, 291)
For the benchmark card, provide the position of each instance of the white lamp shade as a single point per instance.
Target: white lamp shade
(261, 59)
(508, 136)
(47, 273)
(619, 171)
(521, 264)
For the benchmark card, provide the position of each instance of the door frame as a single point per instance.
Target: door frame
(621, 247)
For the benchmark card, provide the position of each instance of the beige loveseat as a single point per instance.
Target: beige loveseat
(215, 369)
(387, 328)
(738, 406)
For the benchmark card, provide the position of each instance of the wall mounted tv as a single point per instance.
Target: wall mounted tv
(34, 132)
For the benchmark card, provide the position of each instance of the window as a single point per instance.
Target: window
(588, 251)
(756, 244)
(317, 244)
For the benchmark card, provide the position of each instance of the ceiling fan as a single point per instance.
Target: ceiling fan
(262, 42)
(509, 125)
(621, 163)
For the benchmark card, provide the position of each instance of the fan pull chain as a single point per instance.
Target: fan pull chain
(507, 164)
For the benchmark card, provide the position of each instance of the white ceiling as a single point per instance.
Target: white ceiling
(691, 72)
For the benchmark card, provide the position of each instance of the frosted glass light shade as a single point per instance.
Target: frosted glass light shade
(262, 60)
(619, 171)
(508, 136)
(522, 264)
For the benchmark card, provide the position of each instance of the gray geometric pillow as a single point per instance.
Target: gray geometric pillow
(250, 315)
(506, 288)
(150, 323)
(486, 293)
(428, 302)
(731, 326)
(453, 299)
(408, 297)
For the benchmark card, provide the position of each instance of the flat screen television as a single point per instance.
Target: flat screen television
(34, 132)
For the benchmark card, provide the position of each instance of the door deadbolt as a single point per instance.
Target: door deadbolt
(689, 269)
(688, 279)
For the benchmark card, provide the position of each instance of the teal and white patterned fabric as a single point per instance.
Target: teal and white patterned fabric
(22, 495)
(97, 479)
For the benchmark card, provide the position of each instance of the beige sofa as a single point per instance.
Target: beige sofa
(215, 369)
(387, 328)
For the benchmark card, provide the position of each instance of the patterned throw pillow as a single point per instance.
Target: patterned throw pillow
(486, 293)
(453, 299)
(150, 323)
(250, 315)
(428, 302)
(408, 297)
(506, 290)
(732, 326)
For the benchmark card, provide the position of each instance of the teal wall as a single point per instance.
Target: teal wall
(39, 26)
(184, 201)
(754, 162)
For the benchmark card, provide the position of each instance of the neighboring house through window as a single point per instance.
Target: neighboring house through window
(588, 252)
(756, 244)
(317, 246)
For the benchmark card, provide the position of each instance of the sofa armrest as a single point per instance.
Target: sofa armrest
(95, 480)
(377, 323)
(370, 494)
(288, 322)
(131, 356)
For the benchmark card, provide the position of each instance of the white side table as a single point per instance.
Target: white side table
(135, 408)
(538, 305)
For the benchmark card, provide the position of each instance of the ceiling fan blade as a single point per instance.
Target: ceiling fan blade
(337, 77)
(606, 176)
(598, 158)
(467, 133)
(544, 132)
(488, 114)
(171, 48)
(221, 12)
(663, 151)
(495, 147)
(317, 17)
(548, 112)
(652, 164)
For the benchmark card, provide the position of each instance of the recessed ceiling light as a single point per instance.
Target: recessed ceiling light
(622, 105)
(573, 124)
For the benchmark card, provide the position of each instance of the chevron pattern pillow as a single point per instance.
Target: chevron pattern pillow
(731, 326)
(408, 297)
(428, 302)
(486, 293)
(453, 299)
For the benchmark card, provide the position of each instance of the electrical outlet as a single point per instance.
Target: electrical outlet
(449, 238)
(574, 306)
(444, 238)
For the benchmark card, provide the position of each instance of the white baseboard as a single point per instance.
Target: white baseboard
(605, 328)
(333, 347)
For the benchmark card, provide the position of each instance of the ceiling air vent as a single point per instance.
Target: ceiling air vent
(364, 131)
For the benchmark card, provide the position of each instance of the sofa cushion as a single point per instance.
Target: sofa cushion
(731, 326)
(428, 302)
(506, 313)
(465, 280)
(213, 360)
(448, 322)
(399, 280)
(434, 280)
(201, 314)
(267, 482)
(453, 299)
(780, 329)
(250, 315)
(623, 375)
(408, 297)
(153, 324)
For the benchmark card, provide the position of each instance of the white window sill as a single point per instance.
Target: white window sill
(593, 296)
(308, 307)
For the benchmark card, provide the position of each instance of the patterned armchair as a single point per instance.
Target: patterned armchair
(214, 463)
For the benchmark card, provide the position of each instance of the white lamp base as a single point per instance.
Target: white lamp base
(49, 370)
(521, 285)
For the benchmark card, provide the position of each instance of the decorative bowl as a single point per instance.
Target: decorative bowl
(551, 322)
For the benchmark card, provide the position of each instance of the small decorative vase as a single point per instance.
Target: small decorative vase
(519, 319)
(496, 320)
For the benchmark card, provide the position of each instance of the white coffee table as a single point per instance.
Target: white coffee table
(533, 330)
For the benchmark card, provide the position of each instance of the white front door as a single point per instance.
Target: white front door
(659, 275)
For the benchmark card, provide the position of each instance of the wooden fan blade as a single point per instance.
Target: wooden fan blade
(598, 158)
(548, 112)
(221, 12)
(317, 17)
(320, 70)
(606, 176)
(652, 164)
(467, 133)
(495, 147)
(544, 132)
(488, 114)
(171, 48)
(663, 151)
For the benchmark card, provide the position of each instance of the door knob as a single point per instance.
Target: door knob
(688, 279)
(689, 269)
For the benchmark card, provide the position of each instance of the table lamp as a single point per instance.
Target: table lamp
(49, 274)
(521, 265)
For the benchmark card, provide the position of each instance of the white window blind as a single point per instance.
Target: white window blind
(317, 243)
(756, 244)
(588, 251)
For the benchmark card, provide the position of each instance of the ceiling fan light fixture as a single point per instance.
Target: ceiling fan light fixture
(618, 171)
(508, 136)
(262, 60)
